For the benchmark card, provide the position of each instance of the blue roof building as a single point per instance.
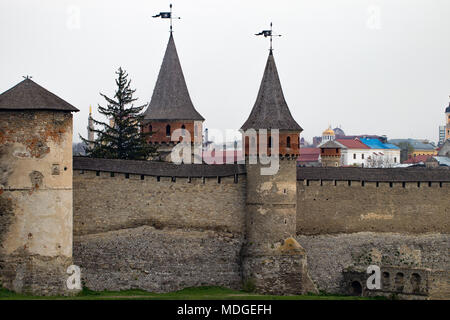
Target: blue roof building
(377, 144)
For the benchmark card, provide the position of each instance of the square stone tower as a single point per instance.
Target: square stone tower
(35, 190)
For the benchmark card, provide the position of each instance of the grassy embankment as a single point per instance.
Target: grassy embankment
(199, 293)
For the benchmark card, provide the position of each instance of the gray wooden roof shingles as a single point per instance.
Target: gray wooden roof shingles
(28, 95)
(270, 110)
(170, 99)
(156, 168)
(166, 169)
(374, 174)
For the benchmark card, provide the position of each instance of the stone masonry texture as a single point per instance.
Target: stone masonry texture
(158, 260)
(163, 234)
(35, 200)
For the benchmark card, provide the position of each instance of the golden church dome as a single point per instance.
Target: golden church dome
(328, 132)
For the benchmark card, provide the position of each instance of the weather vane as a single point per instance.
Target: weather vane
(268, 33)
(27, 77)
(167, 15)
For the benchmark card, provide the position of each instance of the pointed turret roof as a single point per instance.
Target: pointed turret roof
(171, 100)
(447, 110)
(271, 110)
(28, 95)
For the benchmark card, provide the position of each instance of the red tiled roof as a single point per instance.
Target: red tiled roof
(418, 159)
(309, 155)
(352, 143)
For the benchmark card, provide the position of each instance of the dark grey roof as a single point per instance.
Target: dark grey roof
(416, 144)
(448, 108)
(166, 169)
(28, 95)
(331, 145)
(154, 168)
(170, 99)
(374, 174)
(271, 110)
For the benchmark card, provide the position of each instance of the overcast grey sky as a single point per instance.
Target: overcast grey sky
(371, 66)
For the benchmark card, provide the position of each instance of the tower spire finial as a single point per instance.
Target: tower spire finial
(268, 33)
(167, 15)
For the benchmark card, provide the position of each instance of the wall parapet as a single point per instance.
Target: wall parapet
(157, 168)
(374, 174)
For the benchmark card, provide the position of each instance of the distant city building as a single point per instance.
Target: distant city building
(420, 159)
(309, 157)
(316, 141)
(444, 151)
(338, 132)
(441, 135)
(303, 142)
(419, 147)
(330, 154)
(328, 135)
(383, 154)
(447, 119)
(353, 152)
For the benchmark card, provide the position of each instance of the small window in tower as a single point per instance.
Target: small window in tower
(354, 156)
(183, 130)
(362, 156)
(288, 142)
(150, 129)
(395, 159)
(269, 142)
(168, 130)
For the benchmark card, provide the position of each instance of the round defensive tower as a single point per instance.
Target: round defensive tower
(273, 261)
(35, 190)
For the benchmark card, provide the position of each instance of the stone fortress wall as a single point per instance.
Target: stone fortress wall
(348, 219)
(158, 232)
(162, 227)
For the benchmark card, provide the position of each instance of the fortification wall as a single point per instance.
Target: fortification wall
(158, 260)
(158, 233)
(142, 229)
(346, 206)
(330, 255)
(104, 203)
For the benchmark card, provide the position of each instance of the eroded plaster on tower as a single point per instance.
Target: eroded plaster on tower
(35, 189)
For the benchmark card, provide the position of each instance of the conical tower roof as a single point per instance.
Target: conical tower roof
(28, 95)
(171, 100)
(271, 110)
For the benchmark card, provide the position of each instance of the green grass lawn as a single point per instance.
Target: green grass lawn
(198, 293)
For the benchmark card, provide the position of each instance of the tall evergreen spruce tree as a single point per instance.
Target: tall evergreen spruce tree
(122, 139)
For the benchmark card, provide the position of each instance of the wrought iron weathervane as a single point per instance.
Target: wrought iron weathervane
(167, 15)
(268, 33)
